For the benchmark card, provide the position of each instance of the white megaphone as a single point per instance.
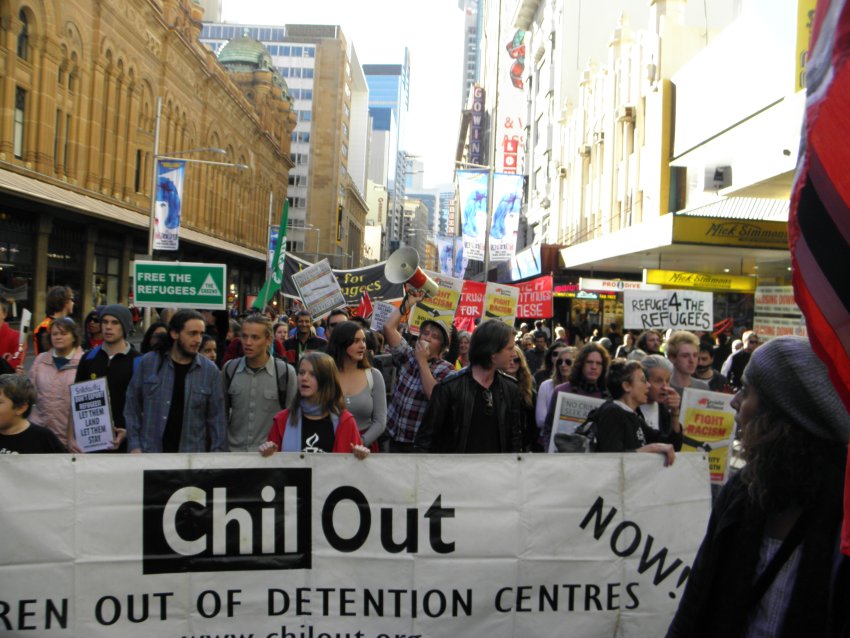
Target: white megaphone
(403, 266)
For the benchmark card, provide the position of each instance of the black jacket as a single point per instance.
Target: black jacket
(445, 427)
(616, 430)
(714, 601)
(96, 364)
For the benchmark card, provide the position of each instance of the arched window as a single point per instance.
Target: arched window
(23, 36)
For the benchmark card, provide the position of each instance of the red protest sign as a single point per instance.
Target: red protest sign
(471, 301)
(535, 298)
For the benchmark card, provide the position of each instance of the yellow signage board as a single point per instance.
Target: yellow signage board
(739, 233)
(805, 19)
(700, 281)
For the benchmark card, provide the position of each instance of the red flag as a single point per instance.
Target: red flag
(819, 219)
(364, 308)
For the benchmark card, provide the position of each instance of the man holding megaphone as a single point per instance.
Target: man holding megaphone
(420, 369)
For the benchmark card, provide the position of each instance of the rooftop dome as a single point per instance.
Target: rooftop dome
(246, 53)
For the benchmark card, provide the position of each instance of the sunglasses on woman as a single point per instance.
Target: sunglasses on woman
(565, 362)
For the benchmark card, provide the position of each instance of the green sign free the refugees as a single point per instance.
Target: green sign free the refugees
(180, 285)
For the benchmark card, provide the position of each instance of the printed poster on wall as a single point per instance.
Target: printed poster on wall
(709, 426)
(500, 302)
(472, 196)
(571, 410)
(311, 545)
(668, 309)
(168, 205)
(440, 307)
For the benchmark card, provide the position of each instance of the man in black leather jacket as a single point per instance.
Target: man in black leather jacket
(477, 409)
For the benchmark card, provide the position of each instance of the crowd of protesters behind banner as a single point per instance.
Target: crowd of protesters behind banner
(209, 382)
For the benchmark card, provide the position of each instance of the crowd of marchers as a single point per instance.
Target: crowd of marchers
(206, 382)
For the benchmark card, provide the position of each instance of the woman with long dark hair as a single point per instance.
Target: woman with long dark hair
(362, 385)
(766, 564)
(153, 335)
(587, 378)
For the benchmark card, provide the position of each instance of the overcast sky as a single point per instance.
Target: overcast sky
(379, 30)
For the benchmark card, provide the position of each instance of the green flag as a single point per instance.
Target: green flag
(274, 283)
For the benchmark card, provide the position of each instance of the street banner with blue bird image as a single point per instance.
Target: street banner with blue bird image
(169, 199)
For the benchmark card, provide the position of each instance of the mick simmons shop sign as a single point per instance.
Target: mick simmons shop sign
(324, 546)
(717, 231)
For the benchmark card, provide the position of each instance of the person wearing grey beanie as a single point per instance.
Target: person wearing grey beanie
(113, 359)
(767, 563)
(122, 314)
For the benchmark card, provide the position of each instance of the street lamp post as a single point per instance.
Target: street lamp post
(155, 176)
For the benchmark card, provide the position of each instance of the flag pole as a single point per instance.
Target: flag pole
(269, 262)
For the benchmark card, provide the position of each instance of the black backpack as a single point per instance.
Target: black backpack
(582, 440)
(230, 370)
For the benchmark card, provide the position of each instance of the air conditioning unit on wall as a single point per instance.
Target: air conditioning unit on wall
(717, 177)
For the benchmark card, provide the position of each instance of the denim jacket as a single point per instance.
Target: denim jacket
(149, 399)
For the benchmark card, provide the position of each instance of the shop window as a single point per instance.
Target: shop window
(105, 280)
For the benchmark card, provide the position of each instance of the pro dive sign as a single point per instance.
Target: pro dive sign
(180, 285)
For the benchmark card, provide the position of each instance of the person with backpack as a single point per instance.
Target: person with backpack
(362, 385)
(257, 386)
(115, 358)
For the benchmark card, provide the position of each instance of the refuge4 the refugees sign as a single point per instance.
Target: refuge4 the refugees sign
(323, 545)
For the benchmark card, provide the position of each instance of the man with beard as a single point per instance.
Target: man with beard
(705, 369)
(648, 343)
(534, 357)
(175, 401)
(682, 350)
(303, 341)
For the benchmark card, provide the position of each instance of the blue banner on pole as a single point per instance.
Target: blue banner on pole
(169, 203)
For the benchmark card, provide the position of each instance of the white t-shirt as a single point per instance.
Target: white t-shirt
(650, 414)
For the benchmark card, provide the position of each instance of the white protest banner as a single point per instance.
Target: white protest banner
(709, 426)
(309, 545)
(26, 322)
(663, 309)
(319, 289)
(571, 410)
(500, 302)
(441, 307)
(381, 311)
(92, 415)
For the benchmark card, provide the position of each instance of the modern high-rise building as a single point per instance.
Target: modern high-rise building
(472, 25)
(330, 144)
(389, 95)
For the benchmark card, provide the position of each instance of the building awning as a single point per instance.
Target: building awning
(57, 196)
(732, 236)
(749, 208)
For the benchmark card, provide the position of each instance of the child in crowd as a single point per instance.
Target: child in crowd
(17, 435)
(319, 421)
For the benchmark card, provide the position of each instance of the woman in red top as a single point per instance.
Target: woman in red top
(317, 420)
